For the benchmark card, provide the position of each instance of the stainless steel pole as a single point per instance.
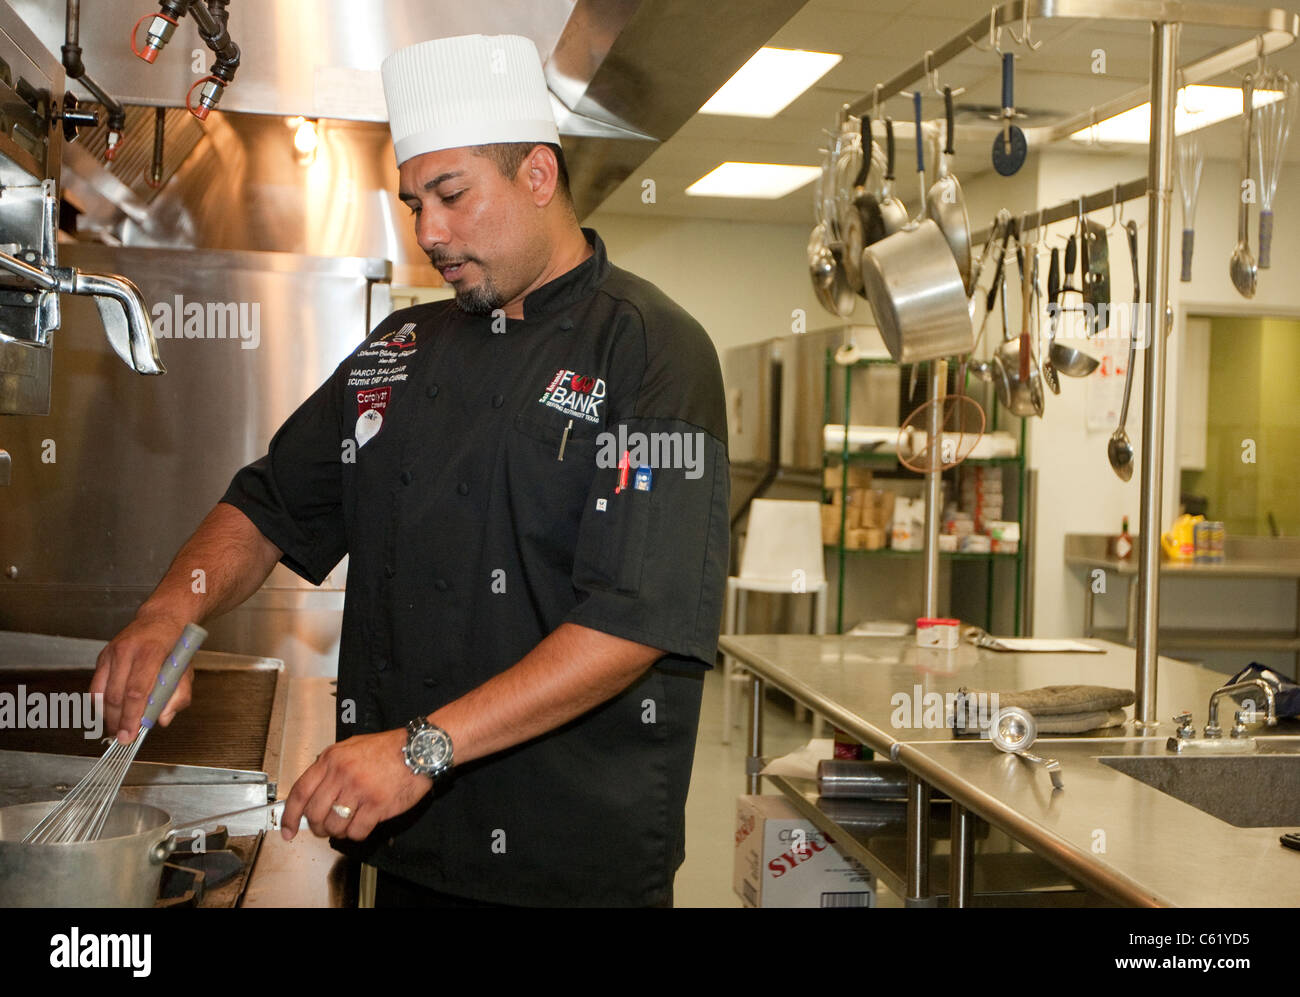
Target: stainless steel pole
(933, 485)
(918, 844)
(754, 763)
(1160, 167)
(961, 857)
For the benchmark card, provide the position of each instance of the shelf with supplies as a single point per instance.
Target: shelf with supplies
(859, 518)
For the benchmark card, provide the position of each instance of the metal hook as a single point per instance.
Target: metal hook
(1027, 37)
(1259, 55)
(995, 35)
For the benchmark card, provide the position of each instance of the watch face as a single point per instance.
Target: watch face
(429, 749)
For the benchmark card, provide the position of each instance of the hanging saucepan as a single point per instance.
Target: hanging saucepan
(946, 204)
(884, 214)
(122, 869)
(917, 295)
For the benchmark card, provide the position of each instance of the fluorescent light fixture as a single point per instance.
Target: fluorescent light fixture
(765, 85)
(759, 180)
(1198, 107)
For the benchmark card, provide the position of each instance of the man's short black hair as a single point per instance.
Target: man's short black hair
(509, 155)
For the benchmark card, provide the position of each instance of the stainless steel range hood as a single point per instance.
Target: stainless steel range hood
(624, 76)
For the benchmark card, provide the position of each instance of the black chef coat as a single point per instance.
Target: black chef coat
(470, 468)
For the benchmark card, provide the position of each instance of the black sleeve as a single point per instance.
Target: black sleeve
(294, 494)
(652, 562)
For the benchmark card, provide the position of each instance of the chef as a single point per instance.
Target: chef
(531, 484)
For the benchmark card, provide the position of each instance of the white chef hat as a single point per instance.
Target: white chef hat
(468, 90)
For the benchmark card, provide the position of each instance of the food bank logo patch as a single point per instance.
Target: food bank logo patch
(575, 394)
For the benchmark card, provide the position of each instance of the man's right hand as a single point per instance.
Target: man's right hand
(128, 667)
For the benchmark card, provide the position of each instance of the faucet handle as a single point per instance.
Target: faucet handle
(1185, 729)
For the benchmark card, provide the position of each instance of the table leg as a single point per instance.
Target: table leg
(961, 860)
(755, 761)
(918, 844)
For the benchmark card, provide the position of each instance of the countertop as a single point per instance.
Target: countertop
(1113, 833)
(1244, 557)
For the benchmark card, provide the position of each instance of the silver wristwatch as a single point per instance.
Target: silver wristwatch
(428, 748)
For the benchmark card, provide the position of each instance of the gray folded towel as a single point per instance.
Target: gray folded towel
(1077, 723)
(1057, 700)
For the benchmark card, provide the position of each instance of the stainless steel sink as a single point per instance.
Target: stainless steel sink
(1256, 790)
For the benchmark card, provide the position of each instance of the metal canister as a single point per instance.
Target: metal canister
(1208, 539)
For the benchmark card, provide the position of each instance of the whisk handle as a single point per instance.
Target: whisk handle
(1265, 239)
(1189, 235)
(169, 677)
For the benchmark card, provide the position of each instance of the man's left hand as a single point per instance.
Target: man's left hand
(365, 774)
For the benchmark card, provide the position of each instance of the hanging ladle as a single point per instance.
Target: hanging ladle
(1119, 449)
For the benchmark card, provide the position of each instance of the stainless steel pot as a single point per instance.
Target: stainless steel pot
(121, 869)
(917, 295)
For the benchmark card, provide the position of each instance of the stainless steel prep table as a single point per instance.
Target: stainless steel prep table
(852, 680)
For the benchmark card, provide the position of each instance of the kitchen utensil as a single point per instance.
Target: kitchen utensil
(946, 204)
(1242, 267)
(1014, 730)
(80, 816)
(1094, 253)
(1119, 449)
(121, 869)
(851, 229)
(1053, 313)
(920, 154)
(1015, 379)
(828, 279)
(917, 294)
(883, 214)
(1272, 131)
(1191, 161)
(1009, 145)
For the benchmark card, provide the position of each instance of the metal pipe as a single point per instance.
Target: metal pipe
(961, 858)
(76, 69)
(918, 844)
(934, 486)
(755, 761)
(1160, 168)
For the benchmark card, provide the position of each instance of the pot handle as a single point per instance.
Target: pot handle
(218, 818)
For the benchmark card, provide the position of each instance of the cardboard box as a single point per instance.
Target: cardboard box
(831, 524)
(868, 538)
(782, 860)
(877, 511)
(833, 477)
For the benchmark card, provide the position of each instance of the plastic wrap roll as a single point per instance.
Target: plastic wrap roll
(851, 780)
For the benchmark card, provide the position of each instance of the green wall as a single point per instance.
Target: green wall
(1254, 394)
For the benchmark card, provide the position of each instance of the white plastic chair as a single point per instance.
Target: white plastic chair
(782, 554)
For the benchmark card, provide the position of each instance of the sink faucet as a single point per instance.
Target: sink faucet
(1184, 738)
(1212, 728)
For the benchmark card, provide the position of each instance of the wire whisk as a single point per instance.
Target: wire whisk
(1275, 100)
(1191, 160)
(80, 815)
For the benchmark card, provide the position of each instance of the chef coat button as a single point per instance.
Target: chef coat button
(406, 477)
(430, 683)
(389, 571)
(498, 400)
(441, 584)
(566, 323)
(463, 488)
(433, 391)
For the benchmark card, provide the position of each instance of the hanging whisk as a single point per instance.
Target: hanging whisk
(1191, 160)
(1275, 98)
(80, 816)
